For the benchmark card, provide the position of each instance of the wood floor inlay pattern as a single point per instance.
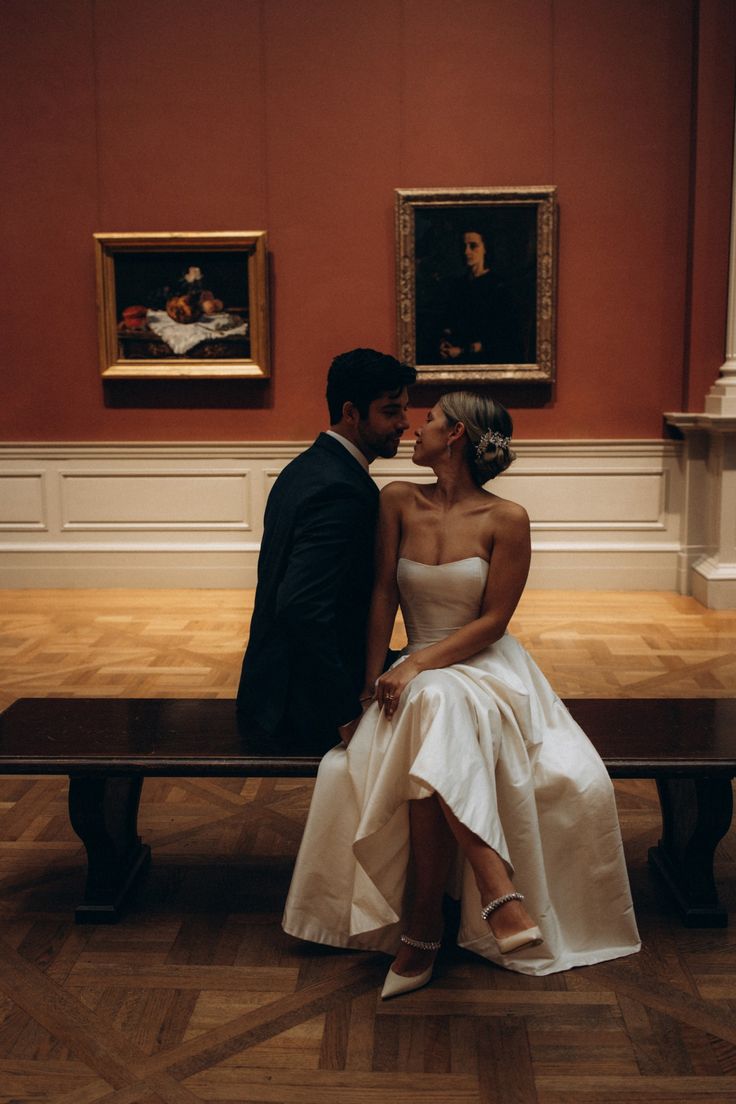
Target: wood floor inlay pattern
(198, 996)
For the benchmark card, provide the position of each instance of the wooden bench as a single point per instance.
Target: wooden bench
(108, 745)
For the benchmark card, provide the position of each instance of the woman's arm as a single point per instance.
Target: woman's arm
(385, 597)
(510, 557)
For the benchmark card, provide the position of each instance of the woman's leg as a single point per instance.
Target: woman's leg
(491, 876)
(432, 850)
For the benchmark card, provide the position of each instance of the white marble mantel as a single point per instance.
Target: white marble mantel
(707, 567)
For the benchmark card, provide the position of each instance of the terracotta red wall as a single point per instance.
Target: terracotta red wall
(302, 118)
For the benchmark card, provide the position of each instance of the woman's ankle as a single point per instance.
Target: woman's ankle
(425, 924)
(412, 959)
(509, 915)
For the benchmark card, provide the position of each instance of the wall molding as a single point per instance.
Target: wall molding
(605, 514)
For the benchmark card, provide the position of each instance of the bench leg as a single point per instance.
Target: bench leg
(696, 814)
(104, 814)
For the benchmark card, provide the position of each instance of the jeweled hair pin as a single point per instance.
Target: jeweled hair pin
(490, 437)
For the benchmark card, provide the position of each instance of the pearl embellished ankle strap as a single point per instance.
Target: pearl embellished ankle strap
(420, 944)
(493, 905)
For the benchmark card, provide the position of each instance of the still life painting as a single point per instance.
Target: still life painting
(190, 305)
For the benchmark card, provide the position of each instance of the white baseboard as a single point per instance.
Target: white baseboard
(605, 514)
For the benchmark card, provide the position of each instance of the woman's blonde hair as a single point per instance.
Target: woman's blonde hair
(488, 429)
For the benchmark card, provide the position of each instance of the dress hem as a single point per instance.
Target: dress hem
(569, 961)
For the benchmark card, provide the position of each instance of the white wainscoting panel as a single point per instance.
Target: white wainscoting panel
(605, 514)
(130, 501)
(22, 501)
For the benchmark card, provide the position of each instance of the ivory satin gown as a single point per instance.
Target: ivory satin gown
(494, 740)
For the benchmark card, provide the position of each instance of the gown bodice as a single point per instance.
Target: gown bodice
(437, 599)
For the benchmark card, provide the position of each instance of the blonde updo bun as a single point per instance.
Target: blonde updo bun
(481, 417)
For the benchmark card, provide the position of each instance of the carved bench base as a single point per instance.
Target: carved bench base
(104, 814)
(696, 814)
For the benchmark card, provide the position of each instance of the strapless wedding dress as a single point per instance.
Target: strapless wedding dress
(494, 740)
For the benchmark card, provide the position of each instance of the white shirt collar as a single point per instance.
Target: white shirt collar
(352, 449)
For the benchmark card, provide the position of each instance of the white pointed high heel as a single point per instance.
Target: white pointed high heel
(529, 937)
(396, 984)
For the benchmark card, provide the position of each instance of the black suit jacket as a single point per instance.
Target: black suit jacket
(304, 664)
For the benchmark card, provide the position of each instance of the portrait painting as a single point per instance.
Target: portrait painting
(183, 305)
(476, 282)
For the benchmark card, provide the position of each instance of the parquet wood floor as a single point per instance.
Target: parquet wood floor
(197, 995)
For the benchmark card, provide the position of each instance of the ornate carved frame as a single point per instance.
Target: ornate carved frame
(409, 201)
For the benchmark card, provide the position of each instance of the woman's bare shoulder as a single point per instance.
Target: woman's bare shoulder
(400, 490)
(507, 512)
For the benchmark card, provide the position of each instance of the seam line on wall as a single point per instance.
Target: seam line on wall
(96, 112)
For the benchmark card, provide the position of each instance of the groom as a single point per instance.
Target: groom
(304, 664)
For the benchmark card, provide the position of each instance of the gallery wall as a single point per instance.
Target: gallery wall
(301, 117)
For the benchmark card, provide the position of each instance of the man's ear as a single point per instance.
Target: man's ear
(350, 412)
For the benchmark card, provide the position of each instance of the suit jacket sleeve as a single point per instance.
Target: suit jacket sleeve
(315, 585)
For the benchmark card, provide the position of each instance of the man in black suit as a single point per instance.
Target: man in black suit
(304, 664)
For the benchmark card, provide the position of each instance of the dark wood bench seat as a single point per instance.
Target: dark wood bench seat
(108, 745)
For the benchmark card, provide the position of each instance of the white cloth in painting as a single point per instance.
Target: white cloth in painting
(181, 336)
(494, 740)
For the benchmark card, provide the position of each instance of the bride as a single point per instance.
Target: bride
(466, 774)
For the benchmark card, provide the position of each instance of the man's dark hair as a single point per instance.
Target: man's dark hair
(360, 376)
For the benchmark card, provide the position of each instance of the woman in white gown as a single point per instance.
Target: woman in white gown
(466, 773)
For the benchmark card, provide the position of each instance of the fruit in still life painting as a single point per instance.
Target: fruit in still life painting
(184, 308)
(134, 318)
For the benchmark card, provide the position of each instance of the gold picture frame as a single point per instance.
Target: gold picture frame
(476, 283)
(183, 305)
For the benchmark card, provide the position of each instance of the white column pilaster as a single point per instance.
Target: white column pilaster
(721, 398)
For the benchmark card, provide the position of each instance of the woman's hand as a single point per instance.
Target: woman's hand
(347, 731)
(391, 685)
(448, 351)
